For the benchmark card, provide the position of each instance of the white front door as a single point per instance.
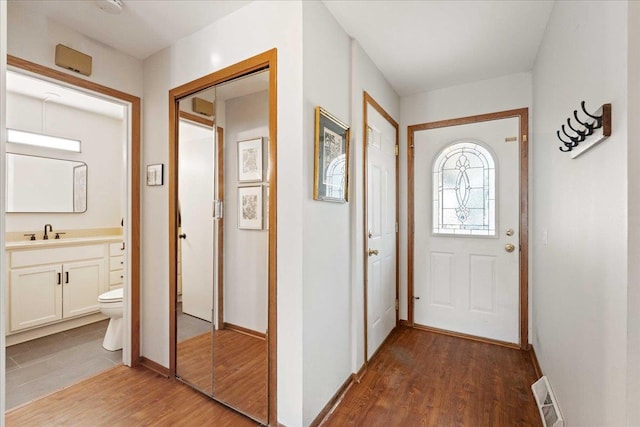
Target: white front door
(381, 219)
(195, 195)
(466, 216)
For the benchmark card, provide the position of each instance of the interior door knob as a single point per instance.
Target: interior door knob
(509, 247)
(373, 252)
(182, 236)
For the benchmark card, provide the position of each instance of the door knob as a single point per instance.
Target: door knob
(182, 236)
(509, 247)
(373, 252)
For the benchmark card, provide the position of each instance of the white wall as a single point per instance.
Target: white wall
(327, 270)
(365, 77)
(246, 252)
(101, 150)
(580, 271)
(34, 38)
(223, 43)
(633, 193)
(486, 96)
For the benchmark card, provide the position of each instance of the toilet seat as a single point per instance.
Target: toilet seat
(115, 295)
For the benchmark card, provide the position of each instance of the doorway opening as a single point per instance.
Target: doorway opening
(70, 217)
(468, 227)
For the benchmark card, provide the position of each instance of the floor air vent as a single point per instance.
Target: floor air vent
(547, 403)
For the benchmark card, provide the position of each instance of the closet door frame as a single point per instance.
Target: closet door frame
(263, 61)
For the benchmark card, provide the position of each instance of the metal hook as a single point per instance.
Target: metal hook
(574, 139)
(598, 119)
(569, 144)
(579, 132)
(565, 150)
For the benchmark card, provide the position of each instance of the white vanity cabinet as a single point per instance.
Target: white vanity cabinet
(116, 265)
(52, 284)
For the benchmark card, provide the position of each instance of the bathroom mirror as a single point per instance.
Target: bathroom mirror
(46, 185)
(222, 266)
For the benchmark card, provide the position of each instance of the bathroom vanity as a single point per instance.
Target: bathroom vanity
(53, 285)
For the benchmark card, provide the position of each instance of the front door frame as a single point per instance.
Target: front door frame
(134, 164)
(262, 61)
(523, 115)
(367, 100)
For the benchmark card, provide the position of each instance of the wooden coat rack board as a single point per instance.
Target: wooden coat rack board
(588, 133)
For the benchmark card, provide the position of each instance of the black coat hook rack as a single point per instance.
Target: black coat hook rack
(585, 134)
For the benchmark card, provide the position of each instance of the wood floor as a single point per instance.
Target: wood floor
(126, 397)
(420, 378)
(417, 378)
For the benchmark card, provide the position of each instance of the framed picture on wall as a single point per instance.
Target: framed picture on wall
(250, 160)
(155, 174)
(250, 208)
(331, 161)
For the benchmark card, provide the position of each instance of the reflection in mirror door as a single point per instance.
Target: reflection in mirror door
(240, 344)
(195, 253)
(222, 348)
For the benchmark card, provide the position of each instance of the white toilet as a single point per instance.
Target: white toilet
(111, 305)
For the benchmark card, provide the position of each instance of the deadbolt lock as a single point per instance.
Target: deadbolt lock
(510, 232)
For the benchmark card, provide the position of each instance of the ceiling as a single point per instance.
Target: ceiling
(425, 45)
(143, 27)
(57, 93)
(418, 45)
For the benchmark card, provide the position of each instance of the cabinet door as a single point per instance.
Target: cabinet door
(83, 282)
(36, 296)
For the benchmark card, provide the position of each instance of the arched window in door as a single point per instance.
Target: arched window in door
(464, 190)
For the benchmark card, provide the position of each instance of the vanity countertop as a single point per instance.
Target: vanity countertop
(35, 244)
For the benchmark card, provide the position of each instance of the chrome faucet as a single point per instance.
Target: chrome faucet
(46, 236)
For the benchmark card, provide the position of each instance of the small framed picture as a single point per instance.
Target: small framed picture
(331, 161)
(250, 160)
(250, 208)
(155, 174)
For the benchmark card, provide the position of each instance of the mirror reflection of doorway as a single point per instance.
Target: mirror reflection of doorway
(223, 283)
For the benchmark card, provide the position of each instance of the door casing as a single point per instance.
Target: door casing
(523, 115)
(265, 60)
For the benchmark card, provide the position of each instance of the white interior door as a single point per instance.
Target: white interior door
(465, 278)
(195, 194)
(381, 218)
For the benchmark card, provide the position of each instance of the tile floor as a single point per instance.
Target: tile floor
(190, 326)
(39, 367)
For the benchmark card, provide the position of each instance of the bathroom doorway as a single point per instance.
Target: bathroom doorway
(73, 235)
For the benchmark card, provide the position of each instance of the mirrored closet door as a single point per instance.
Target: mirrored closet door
(223, 246)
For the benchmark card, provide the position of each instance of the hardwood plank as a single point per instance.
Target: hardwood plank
(124, 397)
(421, 378)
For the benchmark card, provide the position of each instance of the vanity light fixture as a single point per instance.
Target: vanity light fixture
(39, 140)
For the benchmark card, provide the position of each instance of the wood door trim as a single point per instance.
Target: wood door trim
(523, 115)
(265, 60)
(72, 80)
(196, 119)
(369, 100)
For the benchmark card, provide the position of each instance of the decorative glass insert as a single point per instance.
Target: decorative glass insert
(464, 190)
